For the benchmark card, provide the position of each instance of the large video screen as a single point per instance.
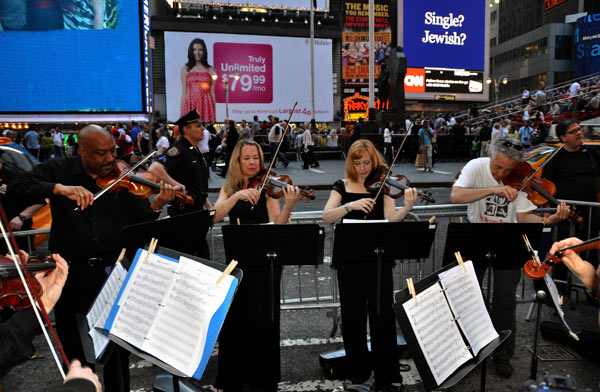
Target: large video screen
(69, 57)
(587, 45)
(446, 48)
(253, 75)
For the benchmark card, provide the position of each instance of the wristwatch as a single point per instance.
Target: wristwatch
(22, 217)
(347, 208)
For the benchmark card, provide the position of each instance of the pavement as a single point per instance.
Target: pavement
(331, 170)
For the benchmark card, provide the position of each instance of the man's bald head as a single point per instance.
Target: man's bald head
(91, 134)
(97, 150)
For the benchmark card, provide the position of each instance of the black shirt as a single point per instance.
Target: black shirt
(12, 205)
(575, 174)
(187, 166)
(347, 197)
(93, 232)
(232, 138)
(249, 214)
(485, 134)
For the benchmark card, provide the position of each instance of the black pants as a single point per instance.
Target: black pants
(358, 299)
(79, 292)
(309, 158)
(249, 333)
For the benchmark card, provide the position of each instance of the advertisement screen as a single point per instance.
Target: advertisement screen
(246, 75)
(322, 5)
(69, 57)
(587, 45)
(445, 44)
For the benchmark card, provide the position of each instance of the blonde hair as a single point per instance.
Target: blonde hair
(357, 149)
(235, 177)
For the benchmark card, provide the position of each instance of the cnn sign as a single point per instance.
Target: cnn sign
(414, 80)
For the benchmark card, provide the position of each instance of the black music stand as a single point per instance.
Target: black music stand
(417, 354)
(265, 246)
(180, 233)
(392, 240)
(493, 245)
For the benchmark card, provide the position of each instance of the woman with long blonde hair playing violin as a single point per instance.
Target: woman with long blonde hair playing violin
(248, 329)
(357, 281)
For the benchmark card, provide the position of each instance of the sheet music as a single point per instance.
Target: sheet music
(553, 292)
(437, 333)
(194, 296)
(140, 301)
(102, 305)
(466, 301)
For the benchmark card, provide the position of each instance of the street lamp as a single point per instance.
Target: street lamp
(226, 87)
(502, 79)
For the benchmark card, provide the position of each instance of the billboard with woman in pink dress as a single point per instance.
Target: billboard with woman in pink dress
(197, 85)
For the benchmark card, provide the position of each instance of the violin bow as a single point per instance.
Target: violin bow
(138, 164)
(33, 295)
(389, 171)
(274, 157)
(526, 182)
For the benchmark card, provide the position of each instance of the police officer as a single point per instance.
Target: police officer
(185, 166)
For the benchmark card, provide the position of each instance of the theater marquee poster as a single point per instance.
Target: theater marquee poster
(355, 40)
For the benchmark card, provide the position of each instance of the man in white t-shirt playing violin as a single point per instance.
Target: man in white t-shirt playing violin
(490, 201)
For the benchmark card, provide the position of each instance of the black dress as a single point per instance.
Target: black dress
(249, 341)
(358, 295)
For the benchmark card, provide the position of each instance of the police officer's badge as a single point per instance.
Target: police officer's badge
(173, 151)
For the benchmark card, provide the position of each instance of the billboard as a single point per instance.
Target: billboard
(74, 59)
(355, 40)
(446, 47)
(253, 75)
(587, 45)
(322, 5)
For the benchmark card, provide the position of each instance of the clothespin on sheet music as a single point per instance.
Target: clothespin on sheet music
(290, 221)
(227, 271)
(431, 220)
(151, 248)
(120, 256)
(411, 289)
(573, 335)
(238, 221)
(460, 261)
(460, 219)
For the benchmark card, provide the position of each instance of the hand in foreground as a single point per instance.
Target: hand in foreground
(167, 193)
(366, 205)
(53, 282)
(291, 194)
(506, 191)
(250, 194)
(410, 197)
(562, 213)
(78, 371)
(79, 194)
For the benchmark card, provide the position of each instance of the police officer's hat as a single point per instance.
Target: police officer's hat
(191, 117)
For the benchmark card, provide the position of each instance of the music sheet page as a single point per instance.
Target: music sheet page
(143, 294)
(437, 333)
(466, 301)
(101, 308)
(178, 334)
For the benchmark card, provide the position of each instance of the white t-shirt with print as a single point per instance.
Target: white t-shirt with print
(492, 208)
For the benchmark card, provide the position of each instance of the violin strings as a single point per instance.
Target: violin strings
(29, 294)
(391, 166)
(541, 167)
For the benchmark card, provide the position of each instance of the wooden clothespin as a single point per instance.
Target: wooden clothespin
(151, 248)
(227, 271)
(411, 289)
(460, 261)
(460, 219)
(431, 220)
(120, 256)
(238, 221)
(573, 335)
(290, 221)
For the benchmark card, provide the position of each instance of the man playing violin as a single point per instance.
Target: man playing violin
(490, 201)
(89, 238)
(574, 171)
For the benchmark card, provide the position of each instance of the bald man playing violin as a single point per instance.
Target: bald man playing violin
(490, 201)
(90, 238)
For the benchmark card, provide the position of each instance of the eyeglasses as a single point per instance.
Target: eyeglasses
(574, 131)
(508, 143)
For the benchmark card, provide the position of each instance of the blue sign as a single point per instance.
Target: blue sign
(445, 34)
(73, 59)
(587, 45)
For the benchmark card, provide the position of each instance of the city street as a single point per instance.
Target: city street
(306, 333)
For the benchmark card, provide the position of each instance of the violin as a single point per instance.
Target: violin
(273, 185)
(536, 270)
(540, 191)
(141, 184)
(393, 185)
(12, 290)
